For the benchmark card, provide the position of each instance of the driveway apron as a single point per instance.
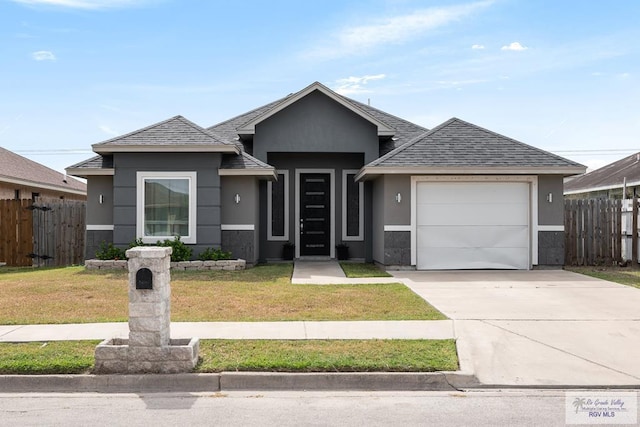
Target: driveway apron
(541, 327)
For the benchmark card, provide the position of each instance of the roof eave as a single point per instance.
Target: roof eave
(602, 188)
(260, 173)
(43, 186)
(85, 172)
(200, 148)
(250, 131)
(369, 172)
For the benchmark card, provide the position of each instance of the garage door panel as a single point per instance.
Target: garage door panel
(473, 237)
(473, 258)
(479, 214)
(465, 193)
(473, 225)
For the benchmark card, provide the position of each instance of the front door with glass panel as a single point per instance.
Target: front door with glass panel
(315, 224)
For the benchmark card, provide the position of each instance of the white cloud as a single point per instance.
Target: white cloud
(358, 39)
(84, 4)
(477, 47)
(516, 46)
(354, 85)
(43, 55)
(106, 129)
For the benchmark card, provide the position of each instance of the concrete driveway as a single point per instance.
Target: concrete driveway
(537, 328)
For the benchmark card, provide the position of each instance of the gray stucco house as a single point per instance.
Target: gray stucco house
(318, 169)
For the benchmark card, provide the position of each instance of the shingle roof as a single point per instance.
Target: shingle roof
(14, 167)
(607, 177)
(97, 162)
(228, 129)
(97, 165)
(457, 143)
(404, 130)
(171, 133)
(243, 161)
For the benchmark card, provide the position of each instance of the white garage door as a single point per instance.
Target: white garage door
(472, 225)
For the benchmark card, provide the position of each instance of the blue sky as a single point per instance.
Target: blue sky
(559, 75)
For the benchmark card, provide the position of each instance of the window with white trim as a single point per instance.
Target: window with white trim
(352, 206)
(278, 207)
(166, 206)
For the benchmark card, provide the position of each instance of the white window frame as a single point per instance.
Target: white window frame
(270, 235)
(360, 236)
(193, 197)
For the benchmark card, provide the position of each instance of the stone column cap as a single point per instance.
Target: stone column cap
(149, 252)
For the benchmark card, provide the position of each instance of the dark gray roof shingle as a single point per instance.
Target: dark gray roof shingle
(176, 131)
(457, 143)
(97, 162)
(244, 161)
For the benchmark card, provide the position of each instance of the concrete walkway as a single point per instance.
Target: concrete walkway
(328, 273)
(300, 330)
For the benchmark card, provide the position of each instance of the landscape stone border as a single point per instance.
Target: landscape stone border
(228, 264)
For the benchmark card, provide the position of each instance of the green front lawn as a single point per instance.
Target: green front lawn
(75, 357)
(629, 276)
(263, 293)
(360, 270)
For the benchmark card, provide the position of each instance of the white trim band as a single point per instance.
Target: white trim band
(237, 227)
(550, 227)
(397, 228)
(97, 227)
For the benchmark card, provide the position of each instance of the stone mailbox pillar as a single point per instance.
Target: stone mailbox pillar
(149, 348)
(149, 296)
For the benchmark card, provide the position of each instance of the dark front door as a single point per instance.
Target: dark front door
(315, 224)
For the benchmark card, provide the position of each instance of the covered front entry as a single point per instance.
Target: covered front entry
(315, 214)
(472, 225)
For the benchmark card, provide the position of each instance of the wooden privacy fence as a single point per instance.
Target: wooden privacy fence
(48, 233)
(593, 231)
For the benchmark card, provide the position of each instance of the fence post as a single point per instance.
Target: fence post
(634, 231)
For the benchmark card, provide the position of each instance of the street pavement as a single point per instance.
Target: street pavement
(302, 408)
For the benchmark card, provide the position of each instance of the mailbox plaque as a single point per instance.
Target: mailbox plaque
(144, 279)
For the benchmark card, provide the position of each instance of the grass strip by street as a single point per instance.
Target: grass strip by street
(262, 293)
(624, 275)
(362, 270)
(76, 357)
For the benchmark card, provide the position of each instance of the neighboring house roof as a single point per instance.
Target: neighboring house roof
(607, 177)
(168, 135)
(15, 169)
(98, 165)
(244, 164)
(457, 146)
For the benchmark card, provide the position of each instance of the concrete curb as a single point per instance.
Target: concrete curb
(109, 383)
(238, 381)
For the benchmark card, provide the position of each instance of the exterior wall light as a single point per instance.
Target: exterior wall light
(550, 197)
(398, 197)
(236, 198)
(101, 199)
